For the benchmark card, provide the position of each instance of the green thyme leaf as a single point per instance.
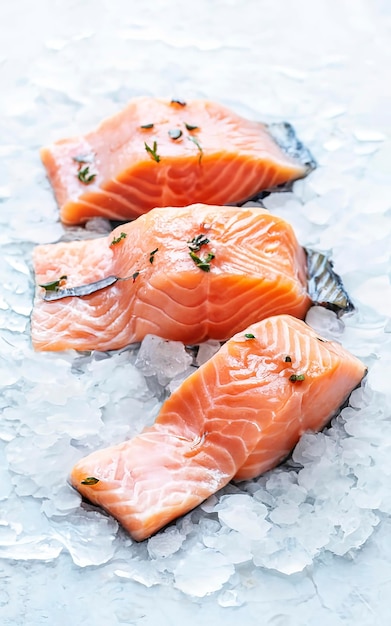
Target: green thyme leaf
(146, 126)
(90, 480)
(294, 378)
(191, 127)
(175, 133)
(134, 276)
(152, 151)
(152, 255)
(84, 175)
(118, 239)
(288, 359)
(249, 336)
(203, 264)
(197, 143)
(54, 285)
(195, 258)
(196, 243)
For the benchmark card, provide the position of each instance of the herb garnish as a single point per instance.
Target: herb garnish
(54, 285)
(181, 103)
(84, 175)
(90, 480)
(288, 359)
(249, 336)
(196, 243)
(203, 264)
(294, 378)
(322, 340)
(118, 239)
(191, 126)
(152, 255)
(152, 151)
(80, 291)
(146, 126)
(175, 133)
(197, 143)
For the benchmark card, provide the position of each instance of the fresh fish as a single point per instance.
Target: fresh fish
(325, 287)
(238, 415)
(159, 152)
(186, 274)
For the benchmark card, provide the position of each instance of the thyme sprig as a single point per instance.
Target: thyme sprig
(196, 243)
(84, 175)
(294, 378)
(80, 291)
(90, 480)
(152, 151)
(194, 246)
(203, 264)
(152, 255)
(118, 239)
(54, 285)
(197, 143)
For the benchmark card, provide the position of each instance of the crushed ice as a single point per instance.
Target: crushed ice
(252, 539)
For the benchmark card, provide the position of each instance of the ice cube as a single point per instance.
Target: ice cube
(285, 514)
(235, 546)
(190, 574)
(165, 359)
(325, 322)
(206, 350)
(229, 597)
(243, 514)
(166, 543)
(89, 537)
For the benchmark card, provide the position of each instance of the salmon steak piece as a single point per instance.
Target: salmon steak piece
(238, 415)
(184, 274)
(158, 152)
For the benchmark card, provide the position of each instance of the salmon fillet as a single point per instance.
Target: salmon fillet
(159, 152)
(238, 415)
(258, 269)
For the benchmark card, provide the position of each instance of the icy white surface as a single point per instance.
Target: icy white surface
(308, 543)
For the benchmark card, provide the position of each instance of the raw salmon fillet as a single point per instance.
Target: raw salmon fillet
(159, 152)
(238, 415)
(258, 269)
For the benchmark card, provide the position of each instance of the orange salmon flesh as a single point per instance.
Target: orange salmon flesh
(158, 152)
(257, 269)
(238, 415)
